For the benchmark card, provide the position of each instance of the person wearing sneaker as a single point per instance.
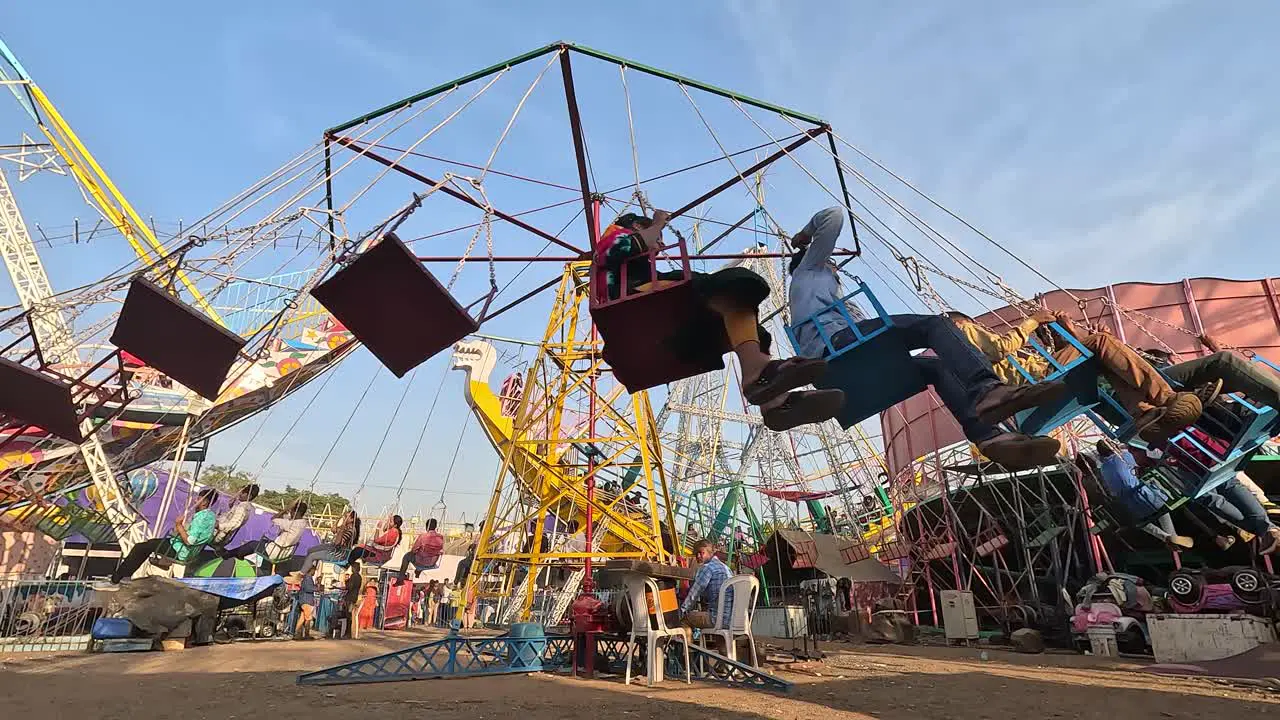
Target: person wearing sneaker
(734, 294)
(1119, 476)
(959, 373)
(1157, 409)
(1232, 501)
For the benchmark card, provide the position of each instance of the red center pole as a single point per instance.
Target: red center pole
(588, 585)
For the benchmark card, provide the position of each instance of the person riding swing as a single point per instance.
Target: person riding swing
(733, 295)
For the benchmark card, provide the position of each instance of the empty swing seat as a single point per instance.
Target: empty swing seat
(656, 336)
(29, 397)
(395, 306)
(875, 371)
(1080, 376)
(175, 339)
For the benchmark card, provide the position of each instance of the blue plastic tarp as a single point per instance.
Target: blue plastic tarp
(234, 588)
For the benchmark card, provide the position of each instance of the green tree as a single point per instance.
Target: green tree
(229, 480)
(225, 478)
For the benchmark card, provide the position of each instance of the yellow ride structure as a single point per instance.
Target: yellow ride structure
(562, 431)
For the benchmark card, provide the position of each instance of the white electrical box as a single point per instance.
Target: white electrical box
(1195, 638)
(959, 616)
(780, 622)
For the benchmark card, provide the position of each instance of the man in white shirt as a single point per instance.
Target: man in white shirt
(230, 522)
(959, 373)
(290, 523)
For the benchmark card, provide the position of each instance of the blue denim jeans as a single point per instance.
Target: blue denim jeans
(959, 373)
(1233, 502)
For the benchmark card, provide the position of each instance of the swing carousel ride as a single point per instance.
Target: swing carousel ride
(459, 222)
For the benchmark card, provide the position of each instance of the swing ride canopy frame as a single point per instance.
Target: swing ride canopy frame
(335, 137)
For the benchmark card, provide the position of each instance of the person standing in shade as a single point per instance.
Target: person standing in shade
(308, 598)
(446, 600)
(351, 588)
(432, 602)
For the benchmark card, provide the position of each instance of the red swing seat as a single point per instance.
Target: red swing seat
(641, 328)
(158, 329)
(395, 306)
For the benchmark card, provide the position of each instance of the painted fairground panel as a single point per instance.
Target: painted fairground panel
(150, 428)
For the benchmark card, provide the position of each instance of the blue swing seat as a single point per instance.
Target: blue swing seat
(1244, 425)
(1080, 376)
(875, 371)
(1254, 427)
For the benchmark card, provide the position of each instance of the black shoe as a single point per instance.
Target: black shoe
(802, 408)
(780, 376)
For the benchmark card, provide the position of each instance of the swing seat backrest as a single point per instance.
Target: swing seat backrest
(1208, 467)
(1243, 425)
(179, 341)
(395, 306)
(1238, 420)
(31, 397)
(659, 335)
(876, 371)
(1080, 375)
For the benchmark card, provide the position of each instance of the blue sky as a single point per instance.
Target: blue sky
(1100, 141)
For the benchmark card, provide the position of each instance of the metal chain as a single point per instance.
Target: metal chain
(475, 237)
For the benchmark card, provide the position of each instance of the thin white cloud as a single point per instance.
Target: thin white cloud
(1100, 141)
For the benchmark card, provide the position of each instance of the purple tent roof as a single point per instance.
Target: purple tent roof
(258, 525)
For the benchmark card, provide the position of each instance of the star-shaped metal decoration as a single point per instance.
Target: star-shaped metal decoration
(31, 157)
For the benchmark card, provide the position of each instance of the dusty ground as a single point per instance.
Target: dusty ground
(890, 683)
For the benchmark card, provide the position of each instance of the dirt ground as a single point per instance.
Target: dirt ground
(257, 680)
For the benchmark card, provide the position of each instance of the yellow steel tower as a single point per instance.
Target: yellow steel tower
(575, 446)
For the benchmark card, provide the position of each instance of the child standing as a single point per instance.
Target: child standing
(432, 600)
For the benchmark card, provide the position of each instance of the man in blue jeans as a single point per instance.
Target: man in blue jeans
(960, 374)
(1233, 502)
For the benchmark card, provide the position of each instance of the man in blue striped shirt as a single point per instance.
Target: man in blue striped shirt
(712, 575)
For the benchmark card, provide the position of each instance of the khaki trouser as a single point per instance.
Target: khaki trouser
(697, 620)
(1137, 384)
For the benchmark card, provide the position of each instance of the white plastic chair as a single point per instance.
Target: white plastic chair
(636, 588)
(745, 588)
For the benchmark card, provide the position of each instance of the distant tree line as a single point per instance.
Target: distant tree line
(229, 480)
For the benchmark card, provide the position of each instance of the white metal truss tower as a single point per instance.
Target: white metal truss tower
(54, 335)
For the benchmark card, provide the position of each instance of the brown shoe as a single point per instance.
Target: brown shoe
(1224, 542)
(802, 408)
(1004, 401)
(779, 376)
(1209, 392)
(1180, 542)
(1182, 409)
(1021, 452)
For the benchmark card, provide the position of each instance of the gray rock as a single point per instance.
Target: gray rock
(1027, 640)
